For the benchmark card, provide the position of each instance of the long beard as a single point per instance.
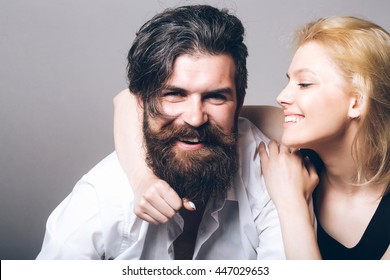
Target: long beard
(199, 174)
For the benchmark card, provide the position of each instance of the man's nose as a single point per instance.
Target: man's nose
(195, 114)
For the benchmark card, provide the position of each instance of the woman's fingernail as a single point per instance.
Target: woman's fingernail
(192, 205)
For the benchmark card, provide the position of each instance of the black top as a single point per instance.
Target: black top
(372, 245)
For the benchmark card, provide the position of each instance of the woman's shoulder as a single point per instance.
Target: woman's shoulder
(268, 119)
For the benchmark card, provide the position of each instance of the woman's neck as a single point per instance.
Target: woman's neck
(339, 166)
(339, 174)
(339, 171)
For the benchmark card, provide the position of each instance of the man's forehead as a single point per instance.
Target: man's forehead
(203, 70)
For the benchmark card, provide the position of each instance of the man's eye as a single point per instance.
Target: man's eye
(172, 93)
(217, 98)
(173, 96)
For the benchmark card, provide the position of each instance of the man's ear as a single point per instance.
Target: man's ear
(356, 106)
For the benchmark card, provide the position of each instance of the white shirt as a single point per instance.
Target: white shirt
(96, 221)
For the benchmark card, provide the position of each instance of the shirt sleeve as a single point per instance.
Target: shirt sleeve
(73, 230)
(268, 228)
(96, 220)
(266, 220)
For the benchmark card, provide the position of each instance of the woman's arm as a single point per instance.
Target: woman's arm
(290, 181)
(155, 201)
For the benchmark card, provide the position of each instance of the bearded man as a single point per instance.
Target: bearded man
(187, 71)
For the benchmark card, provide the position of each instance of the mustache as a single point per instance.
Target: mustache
(208, 134)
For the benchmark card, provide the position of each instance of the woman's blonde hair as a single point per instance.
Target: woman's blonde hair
(362, 51)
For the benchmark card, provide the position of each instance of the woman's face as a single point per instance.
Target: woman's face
(315, 100)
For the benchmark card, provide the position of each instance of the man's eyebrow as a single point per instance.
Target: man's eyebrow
(172, 88)
(225, 90)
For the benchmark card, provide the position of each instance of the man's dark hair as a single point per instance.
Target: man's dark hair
(183, 30)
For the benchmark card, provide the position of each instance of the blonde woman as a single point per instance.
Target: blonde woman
(337, 104)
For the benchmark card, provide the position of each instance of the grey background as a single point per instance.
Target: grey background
(62, 62)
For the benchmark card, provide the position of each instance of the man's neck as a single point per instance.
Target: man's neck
(184, 245)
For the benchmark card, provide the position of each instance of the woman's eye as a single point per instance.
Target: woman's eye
(304, 85)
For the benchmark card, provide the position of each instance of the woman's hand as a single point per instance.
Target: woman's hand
(156, 202)
(288, 176)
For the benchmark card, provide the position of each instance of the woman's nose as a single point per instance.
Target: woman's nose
(285, 97)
